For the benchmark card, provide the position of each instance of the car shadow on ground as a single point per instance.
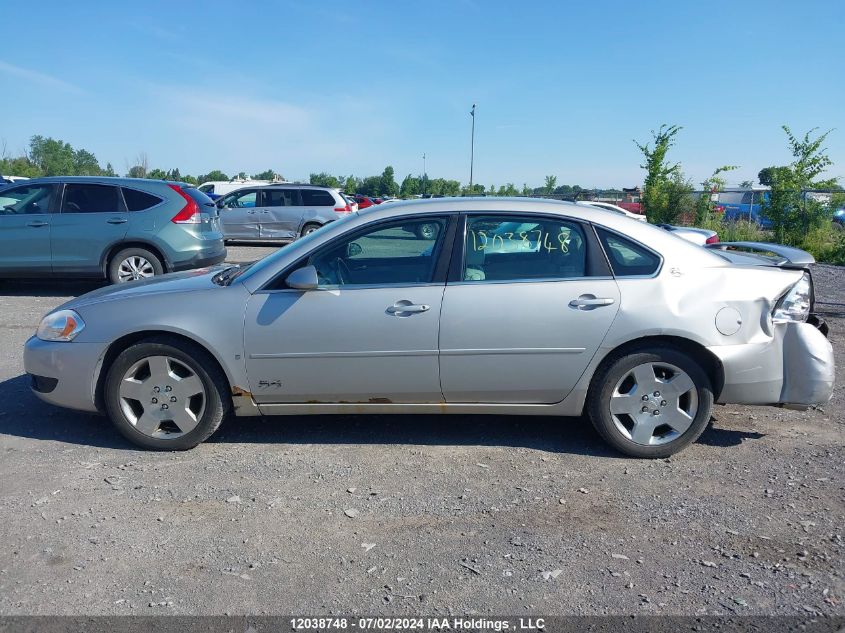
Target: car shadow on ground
(31, 418)
(50, 287)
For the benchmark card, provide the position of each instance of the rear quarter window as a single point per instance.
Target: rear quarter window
(139, 200)
(626, 257)
(317, 198)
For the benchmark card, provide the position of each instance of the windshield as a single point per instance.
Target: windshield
(301, 243)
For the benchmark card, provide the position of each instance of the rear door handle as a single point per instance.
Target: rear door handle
(406, 307)
(588, 302)
(37, 223)
(116, 220)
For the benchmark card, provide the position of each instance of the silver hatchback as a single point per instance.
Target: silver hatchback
(502, 306)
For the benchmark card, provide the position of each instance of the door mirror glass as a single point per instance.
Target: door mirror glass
(354, 249)
(304, 278)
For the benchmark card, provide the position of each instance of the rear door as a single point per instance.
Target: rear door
(92, 218)
(280, 214)
(527, 306)
(25, 217)
(239, 216)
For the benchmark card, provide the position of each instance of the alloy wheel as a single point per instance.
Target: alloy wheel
(162, 397)
(135, 267)
(654, 403)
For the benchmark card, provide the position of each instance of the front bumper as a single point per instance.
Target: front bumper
(794, 369)
(73, 366)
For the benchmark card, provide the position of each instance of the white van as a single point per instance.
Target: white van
(221, 187)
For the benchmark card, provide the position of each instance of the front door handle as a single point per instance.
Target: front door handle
(37, 223)
(588, 302)
(116, 220)
(404, 307)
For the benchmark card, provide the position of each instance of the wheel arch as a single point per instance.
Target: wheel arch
(115, 248)
(709, 362)
(127, 340)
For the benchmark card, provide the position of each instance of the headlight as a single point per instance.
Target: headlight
(795, 304)
(63, 325)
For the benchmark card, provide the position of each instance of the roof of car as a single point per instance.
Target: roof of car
(298, 185)
(111, 180)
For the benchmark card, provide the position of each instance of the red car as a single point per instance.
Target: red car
(363, 201)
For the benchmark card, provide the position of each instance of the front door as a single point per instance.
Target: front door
(280, 214)
(238, 215)
(527, 312)
(25, 229)
(92, 218)
(368, 334)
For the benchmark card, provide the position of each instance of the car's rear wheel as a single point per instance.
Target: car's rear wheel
(308, 229)
(651, 402)
(166, 394)
(132, 264)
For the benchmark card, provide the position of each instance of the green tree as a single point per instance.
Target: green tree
(713, 184)
(767, 175)
(388, 186)
(157, 174)
(411, 186)
(351, 185)
(52, 157)
(85, 164)
(324, 180)
(109, 170)
(551, 183)
(215, 175)
(792, 212)
(661, 181)
(267, 174)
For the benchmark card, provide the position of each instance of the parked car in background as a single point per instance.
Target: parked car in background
(214, 189)
(350, 200)
(744, 204)
(119, 228)
(578, 311)
(614, 208)
(279, 212)
(692, 234)
(7, 180)
(839, 217)
(363, 201)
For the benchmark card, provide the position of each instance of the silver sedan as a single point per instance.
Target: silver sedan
(500, 306)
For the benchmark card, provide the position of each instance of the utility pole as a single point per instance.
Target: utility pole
(472, 147)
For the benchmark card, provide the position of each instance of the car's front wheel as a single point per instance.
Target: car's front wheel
(166, 394)
(651, 402)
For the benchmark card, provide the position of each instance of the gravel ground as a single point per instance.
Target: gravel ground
(416, 514)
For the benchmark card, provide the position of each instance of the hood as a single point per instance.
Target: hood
(197, 279)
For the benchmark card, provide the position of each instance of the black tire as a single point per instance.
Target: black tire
(615, 369)
(309, 228)
(132, 252)
(217, 404)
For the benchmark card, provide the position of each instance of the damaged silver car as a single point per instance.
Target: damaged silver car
(450, 306)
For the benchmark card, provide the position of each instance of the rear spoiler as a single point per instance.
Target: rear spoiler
(780, 255)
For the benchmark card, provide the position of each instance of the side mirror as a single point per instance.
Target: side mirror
(304, 278)
(354, 249)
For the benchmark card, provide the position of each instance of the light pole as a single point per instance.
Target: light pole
(424, 175)
(472, 147)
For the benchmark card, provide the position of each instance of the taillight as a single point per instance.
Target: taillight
(346, 209)
(190, 213)
(713, 239)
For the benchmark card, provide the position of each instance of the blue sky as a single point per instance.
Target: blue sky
(348, 87)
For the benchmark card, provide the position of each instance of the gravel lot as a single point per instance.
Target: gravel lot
(416, 514)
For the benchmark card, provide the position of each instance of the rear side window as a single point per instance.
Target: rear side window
(91, 199)
(280, 198)
(139, 200)
(627, 258)
(317, 198)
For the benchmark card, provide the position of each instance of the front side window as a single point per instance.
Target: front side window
(240, 199)
(516, 248)
(280, 198)
(627, 258)
(91, 199)
(401, 252)
(27, 200)
(317, 198)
